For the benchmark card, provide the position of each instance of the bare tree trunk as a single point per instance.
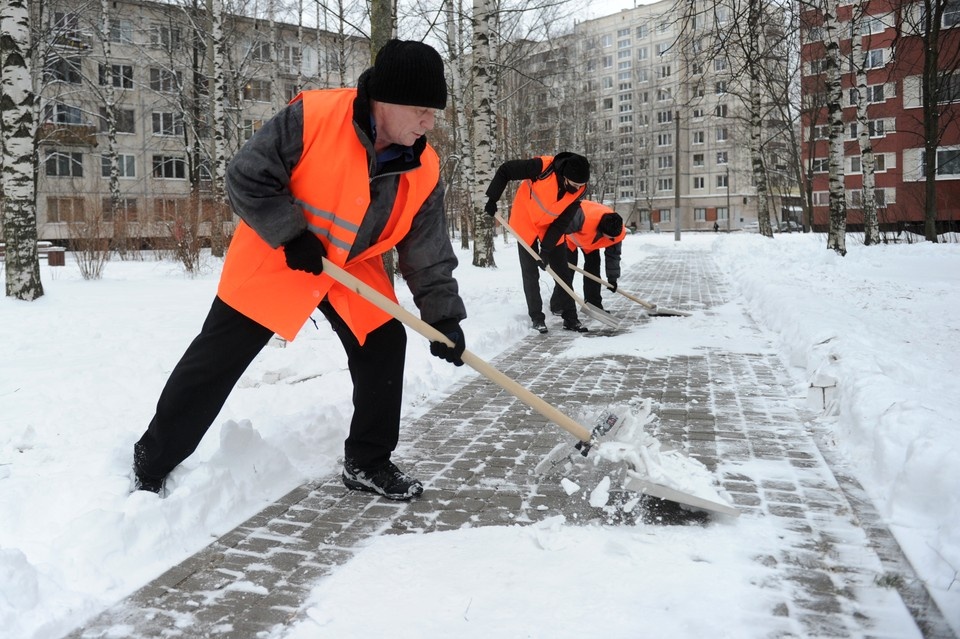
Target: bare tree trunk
(221, 210)
(484, 125)
(757, 162)
(461, 138)
(868, 198)
(836, 238)
(16, 136)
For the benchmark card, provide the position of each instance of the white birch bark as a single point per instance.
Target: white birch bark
(218, 166)
(871, 230)
(461, 139)
(16, 134)
(484, 125)
(755, 105)
(836, 237)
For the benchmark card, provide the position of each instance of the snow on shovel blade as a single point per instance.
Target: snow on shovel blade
(564, 456)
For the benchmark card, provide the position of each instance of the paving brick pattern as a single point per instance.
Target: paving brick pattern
(477, 448)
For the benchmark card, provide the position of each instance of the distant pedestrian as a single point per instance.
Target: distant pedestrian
(546, 203)
(716, 227)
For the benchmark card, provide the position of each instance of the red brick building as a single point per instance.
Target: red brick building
(894, 59)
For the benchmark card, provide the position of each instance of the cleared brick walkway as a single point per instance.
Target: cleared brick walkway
(476, 450)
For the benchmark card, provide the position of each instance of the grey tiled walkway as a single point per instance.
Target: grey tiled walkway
(476, 449)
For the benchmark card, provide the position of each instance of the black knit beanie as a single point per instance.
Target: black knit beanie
(610, 224)
(408, 72)
(575, 168)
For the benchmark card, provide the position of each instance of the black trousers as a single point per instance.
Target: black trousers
(213, 363)
(591, 289)
(530, 272)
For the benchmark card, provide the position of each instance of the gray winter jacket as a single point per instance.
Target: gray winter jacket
(257, 184)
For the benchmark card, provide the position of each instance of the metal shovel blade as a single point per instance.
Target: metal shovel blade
(601, 316)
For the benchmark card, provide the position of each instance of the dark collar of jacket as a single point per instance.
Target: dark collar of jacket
(362, 122)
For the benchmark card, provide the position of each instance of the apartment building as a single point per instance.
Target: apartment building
(151, 63)
(893, 46)
(664, 130)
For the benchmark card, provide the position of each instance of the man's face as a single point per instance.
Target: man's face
(401, 124)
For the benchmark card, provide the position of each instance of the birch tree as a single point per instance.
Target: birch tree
(484, 125)
(17, 158)
(868, 199)
(836, 237)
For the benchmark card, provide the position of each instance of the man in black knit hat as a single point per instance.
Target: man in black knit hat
(346, 175)
(546, 204)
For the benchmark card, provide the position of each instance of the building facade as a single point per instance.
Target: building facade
(893, 42)
(152, 64)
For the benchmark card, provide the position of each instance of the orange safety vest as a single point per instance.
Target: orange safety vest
(331, 183)
(586, 238)
(535, 207)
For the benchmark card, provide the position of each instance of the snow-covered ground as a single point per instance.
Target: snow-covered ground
(81, 369)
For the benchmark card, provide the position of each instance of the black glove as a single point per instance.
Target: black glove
(305, 252)
(544, 259)
(613, 285)
(490, 208)
(451, 329)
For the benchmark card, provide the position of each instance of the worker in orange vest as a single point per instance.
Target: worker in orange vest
(346, 175)
(546, 203)
(600, 228)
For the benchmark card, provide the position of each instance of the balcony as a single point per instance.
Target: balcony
(68, 134)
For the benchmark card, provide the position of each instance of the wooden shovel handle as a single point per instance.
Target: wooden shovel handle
(387, 305)
(576, 298)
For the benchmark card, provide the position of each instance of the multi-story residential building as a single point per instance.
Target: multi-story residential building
(152, 62)
(663, 128)
(893, 51)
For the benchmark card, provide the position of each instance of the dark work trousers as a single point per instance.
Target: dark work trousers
(213, 363)
(591, 289)
(560, 301)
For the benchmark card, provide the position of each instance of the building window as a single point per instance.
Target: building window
(874, 59)
(168, 209)
(820, 165)
(948, 162)
(951, 14)
(663, 71)
(61, 69)
(665, 139)
(169, 167)
(60, 113)
(606, 62)
(698, 137)
(721, 181)
(642, 53)
(643, 75)
(720, 64)
(664, 117)
(121, 75)
(698, 113)
(722, 213)
(126, 208)
(720, 87)
(257, 91)
(64, 209)
(879, 163)
(165, 36)
(125, 121)
(606, 40)
(120, 31)
(166, 123)
(664, 162)
(699, 182)
(664, 184)
(698, 160)
(699, 215)
(722, 134)
(127, 165)
(722, 157)
(720, 111)
(665, 215)
(164, 80)
(250, 127)
(64, 164)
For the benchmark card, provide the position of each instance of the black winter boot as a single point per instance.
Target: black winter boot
(386, 480)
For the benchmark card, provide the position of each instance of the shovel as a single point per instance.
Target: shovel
(589, 309)
(384, 303)
(652, 308)
(587, 439)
